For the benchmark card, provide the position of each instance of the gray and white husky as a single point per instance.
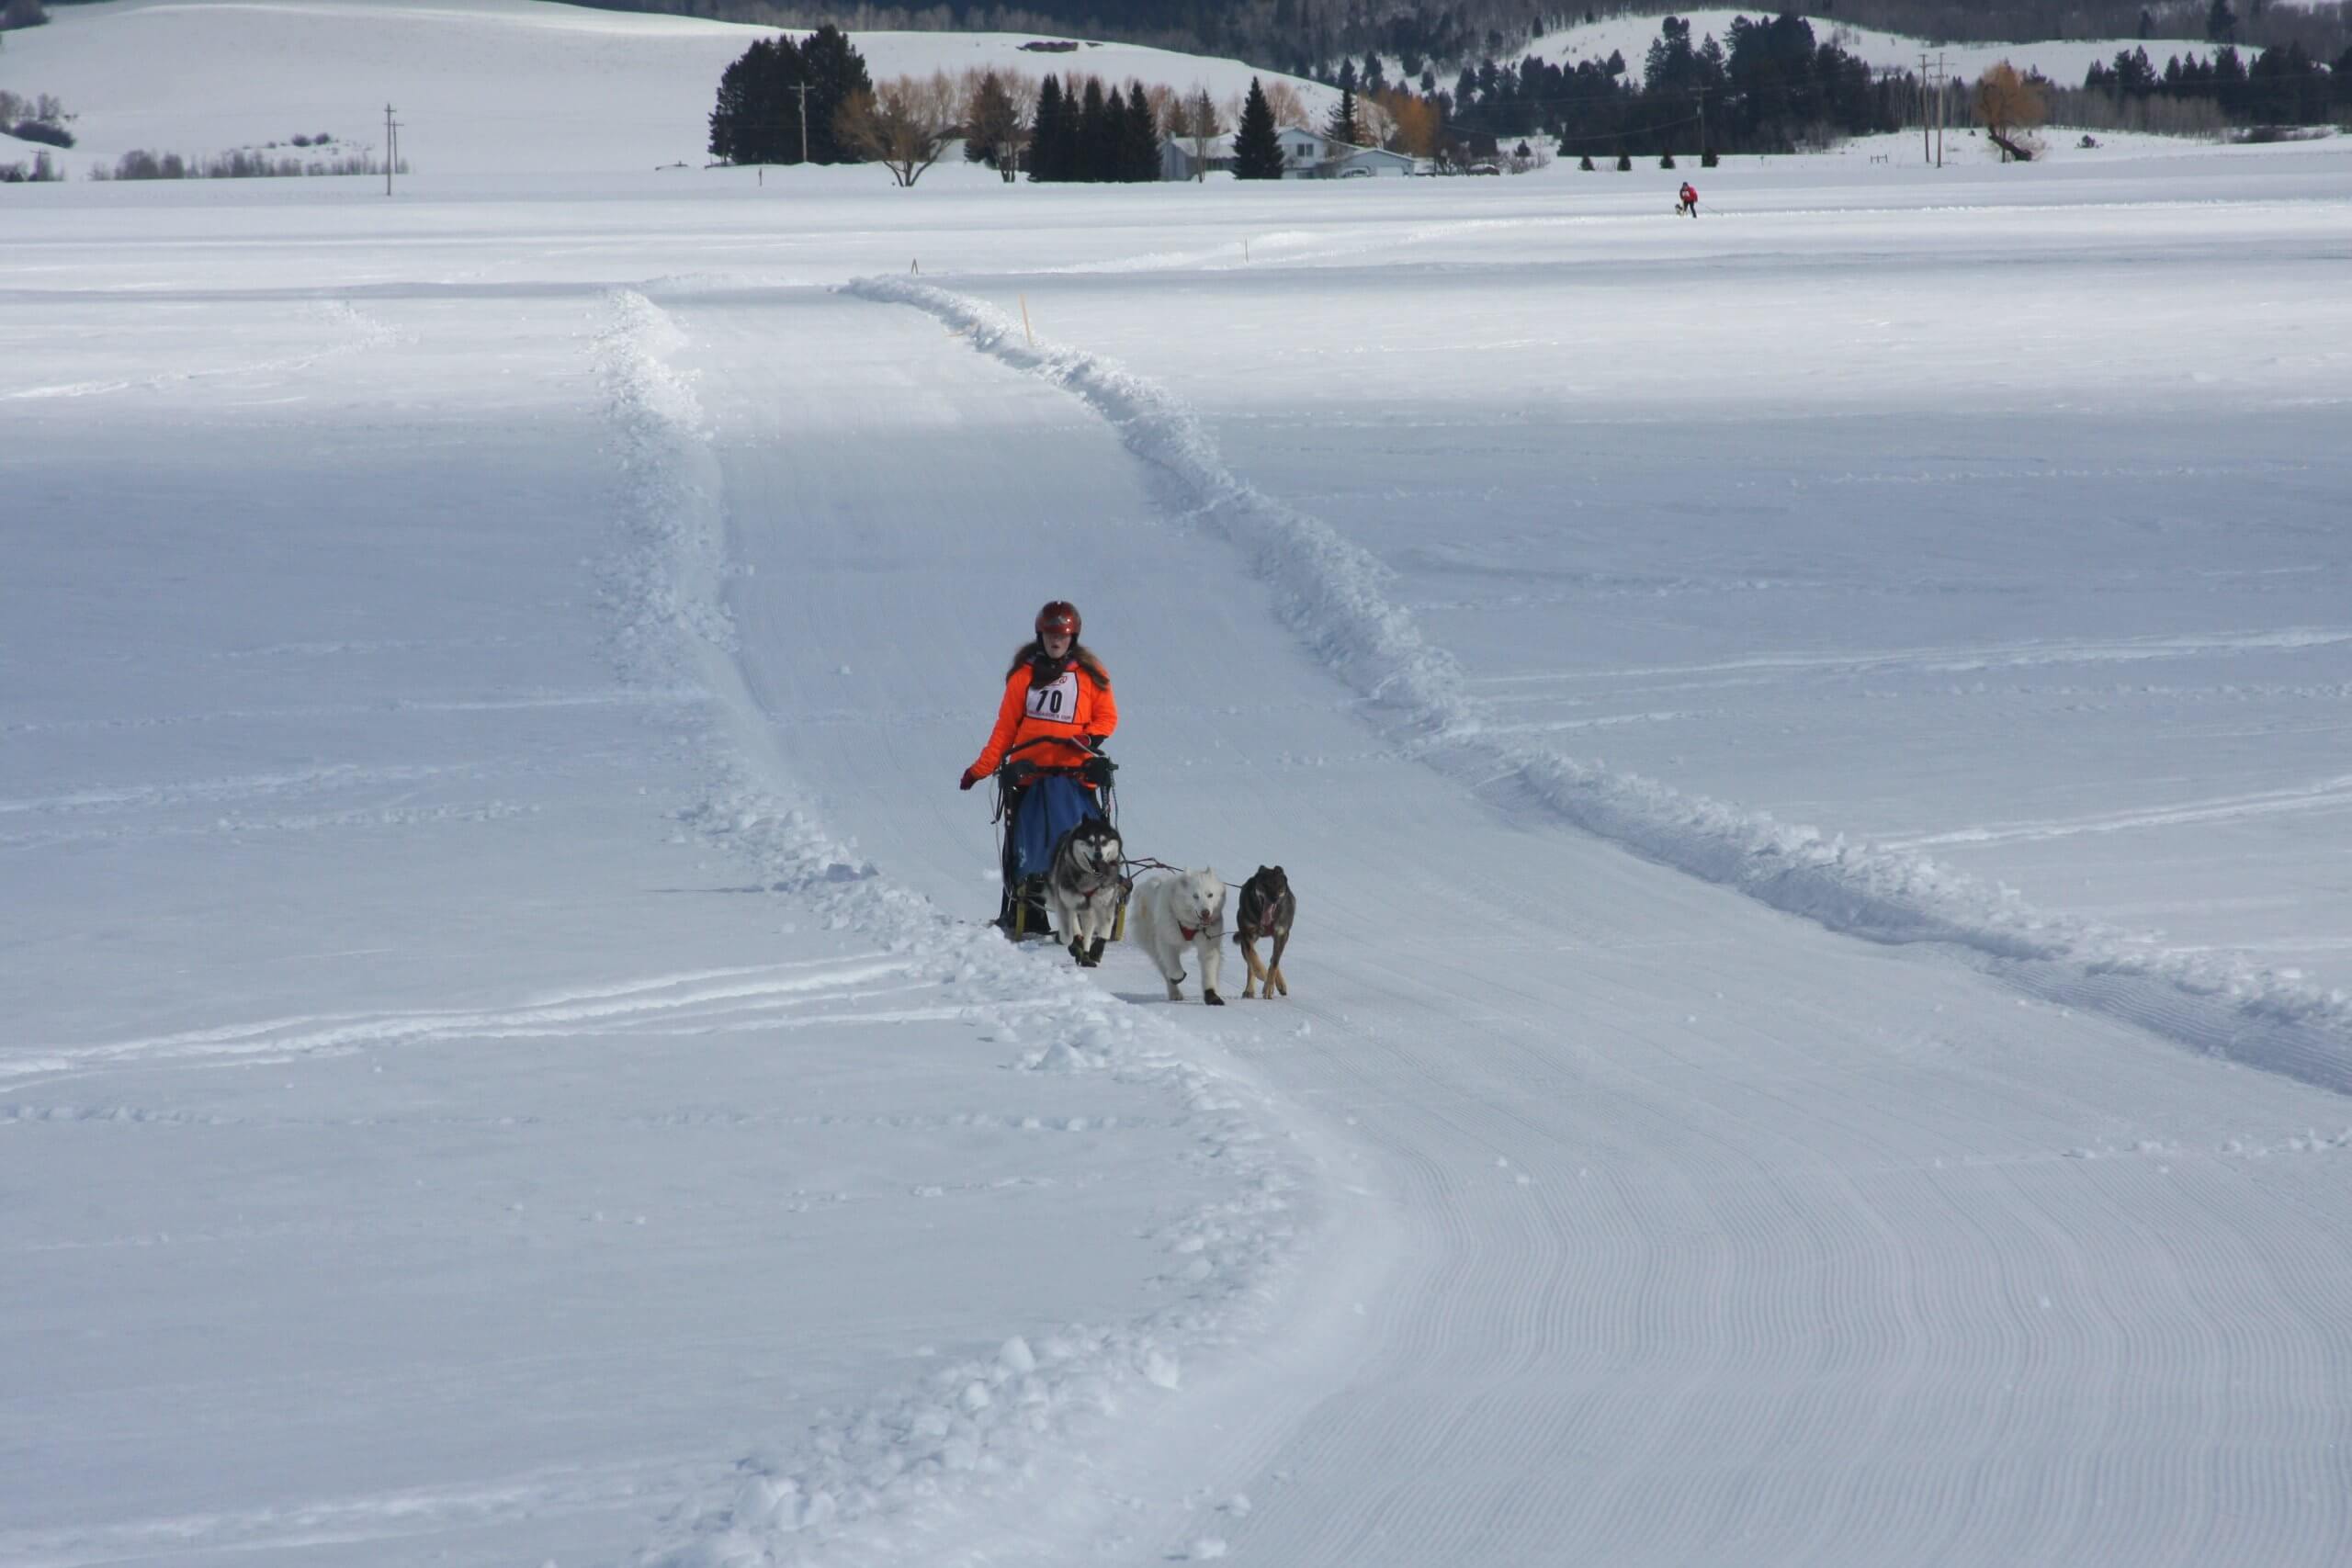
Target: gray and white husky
(1083, 882)
(1172, 914)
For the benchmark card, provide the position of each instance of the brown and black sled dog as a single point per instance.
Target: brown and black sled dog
(1265, 908)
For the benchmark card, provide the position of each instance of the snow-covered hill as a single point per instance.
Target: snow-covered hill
(488, 87)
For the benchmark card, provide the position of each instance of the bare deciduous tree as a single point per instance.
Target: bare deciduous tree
(1413, 122)
(1290, 108)
(2007, 105)
(904, 124)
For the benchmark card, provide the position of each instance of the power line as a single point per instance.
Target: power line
(1629, 131)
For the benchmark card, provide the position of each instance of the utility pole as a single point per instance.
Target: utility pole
(1925, 154)
(1943, 99)
(391, 147)
(802, 88)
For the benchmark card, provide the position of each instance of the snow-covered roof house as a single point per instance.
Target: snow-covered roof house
(1355, 161)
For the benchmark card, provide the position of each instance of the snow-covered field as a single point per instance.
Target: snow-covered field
(1811, 742)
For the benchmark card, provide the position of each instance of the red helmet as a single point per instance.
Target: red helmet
(1061, 615)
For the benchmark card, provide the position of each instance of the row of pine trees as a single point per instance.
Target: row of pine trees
(1092, 135)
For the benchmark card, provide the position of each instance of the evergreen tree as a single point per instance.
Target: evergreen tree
(1140, 145)
(1098, 136)
(728, 120)
(1342, 126)
(2230, 81)
(1047, 141)
(993, 125)
(752, 123)
(834, 73)
(2220, 23)
(758, 119)
(1257, 150)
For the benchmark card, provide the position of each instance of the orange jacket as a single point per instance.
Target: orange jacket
(1077, 705)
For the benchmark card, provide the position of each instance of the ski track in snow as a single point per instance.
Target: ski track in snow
(876, 1486)
(2327, 795)
(341, 1521)
(1331, 593)
(1960, 660)
(303, 781)
(360, 333)
(730, 1001)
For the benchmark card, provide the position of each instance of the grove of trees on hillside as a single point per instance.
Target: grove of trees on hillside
(1771, 87)
(1311, 38)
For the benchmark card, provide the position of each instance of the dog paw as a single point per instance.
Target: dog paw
(1213, 999)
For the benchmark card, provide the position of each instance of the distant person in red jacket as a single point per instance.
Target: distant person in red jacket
(1690, 202)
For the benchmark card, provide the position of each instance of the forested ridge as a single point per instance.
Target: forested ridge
(1310, 38)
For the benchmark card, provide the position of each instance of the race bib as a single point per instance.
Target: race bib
(1056, 703)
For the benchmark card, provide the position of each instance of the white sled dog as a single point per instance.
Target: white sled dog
(1183, 910)
(1084, 886)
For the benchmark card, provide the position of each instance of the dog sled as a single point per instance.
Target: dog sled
(1038, 806)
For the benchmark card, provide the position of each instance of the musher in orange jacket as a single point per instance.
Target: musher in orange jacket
(1059, 695)
(1056, 694)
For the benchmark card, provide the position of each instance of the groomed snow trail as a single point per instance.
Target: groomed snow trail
(1727, 1238)
(977, 1458)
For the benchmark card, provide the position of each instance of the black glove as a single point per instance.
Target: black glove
(971, 777)
(1097, 770)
